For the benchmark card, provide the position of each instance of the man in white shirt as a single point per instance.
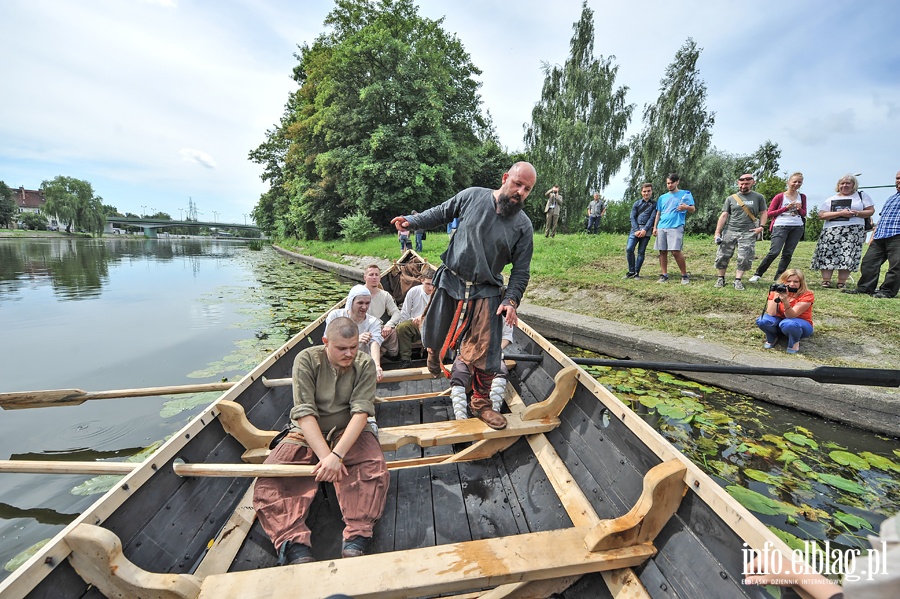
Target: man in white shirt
(383, 303)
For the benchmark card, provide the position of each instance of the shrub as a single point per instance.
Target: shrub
(357, 227)
(33, 221)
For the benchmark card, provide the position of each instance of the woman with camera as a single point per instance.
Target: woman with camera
(840, 243)
(788, 311)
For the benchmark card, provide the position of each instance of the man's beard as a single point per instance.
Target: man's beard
(507, 208)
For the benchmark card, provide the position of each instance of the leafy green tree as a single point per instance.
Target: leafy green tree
(7, 205)
(384, 122)
(73, 202)
(575, 139)
(110, 210)
(33, 221)
(677, 129)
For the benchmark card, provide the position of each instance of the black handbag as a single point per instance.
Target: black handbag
(867, 223)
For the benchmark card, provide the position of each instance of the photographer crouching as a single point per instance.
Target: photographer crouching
(788, 311)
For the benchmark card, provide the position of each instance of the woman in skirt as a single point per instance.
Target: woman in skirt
(840, 243)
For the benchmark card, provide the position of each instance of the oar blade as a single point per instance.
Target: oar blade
(873, 377)
(21, 400)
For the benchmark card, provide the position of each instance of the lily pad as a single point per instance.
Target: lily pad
(763, 477)
(23, 557)
(845, 458)
(802, 440)
(792, 541)
(852, 521)
(880, 462)
(842, 483)
(673, 412)
(759, 503)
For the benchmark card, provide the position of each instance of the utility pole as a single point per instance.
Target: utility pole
(215, 216)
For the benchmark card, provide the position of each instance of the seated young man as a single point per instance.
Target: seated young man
(411, 316)
(334, 395)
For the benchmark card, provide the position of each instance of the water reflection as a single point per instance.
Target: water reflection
(78, 269)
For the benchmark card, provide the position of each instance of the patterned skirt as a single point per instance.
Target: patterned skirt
(839, 248)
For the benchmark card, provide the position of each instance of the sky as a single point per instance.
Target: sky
(158, 102)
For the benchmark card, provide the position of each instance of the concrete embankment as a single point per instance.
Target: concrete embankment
(872, 408)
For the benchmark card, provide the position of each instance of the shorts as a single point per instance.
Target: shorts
(669, 239)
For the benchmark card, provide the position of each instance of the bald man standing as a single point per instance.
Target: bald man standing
(493, 232)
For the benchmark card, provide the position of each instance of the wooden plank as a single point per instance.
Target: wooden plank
(450, 522)
(433, 570)
(460, 431)
(229, 540)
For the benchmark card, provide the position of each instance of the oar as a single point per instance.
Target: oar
(72, 397)
(874, 377)
(46, 467)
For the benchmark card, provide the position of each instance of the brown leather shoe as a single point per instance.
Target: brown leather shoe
(495, 420)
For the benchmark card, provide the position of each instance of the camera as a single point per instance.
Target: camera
(778, 288)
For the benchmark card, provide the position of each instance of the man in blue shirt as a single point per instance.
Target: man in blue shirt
(671, 211)
(885, 247)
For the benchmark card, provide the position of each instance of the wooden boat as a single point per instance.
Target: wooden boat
(577, 498)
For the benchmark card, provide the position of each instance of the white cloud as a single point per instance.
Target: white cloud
(197, 156)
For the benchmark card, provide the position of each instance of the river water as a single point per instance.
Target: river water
(122, 313)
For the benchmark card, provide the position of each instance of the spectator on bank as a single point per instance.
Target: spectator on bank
(671, 212)
(741, 223)
(843, 231)
(884, 247)
(787, 212)
(596, 210)
(551, 210)
(420, 236)
(643, 214)
(788, 311)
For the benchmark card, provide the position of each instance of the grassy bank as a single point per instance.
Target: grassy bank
(582, 273)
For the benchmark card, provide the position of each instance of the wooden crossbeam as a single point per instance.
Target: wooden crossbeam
(460, 431)
(432, 570)
(97, 557)
(663, 489)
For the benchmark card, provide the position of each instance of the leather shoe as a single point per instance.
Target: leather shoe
(882, 295)
(495, 420)
(434, 364)
(856, 291)
(405, 364)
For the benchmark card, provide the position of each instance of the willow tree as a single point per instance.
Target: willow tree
(677, 128)
(385, 121)
(577, 128)
(73, 202)
(8, 207)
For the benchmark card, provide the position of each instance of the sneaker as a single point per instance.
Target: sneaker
(738, 285)
(720, 282)
(637, 277)
(768, 345)
(630, 275)
(663, 279)
(355, 547)
(755, 278)
(292, 553)
(685, 279)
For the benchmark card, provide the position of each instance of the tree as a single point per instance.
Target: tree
(384, 121)
(7, 205)
(73, 202)
(677, 128)
(575, 139)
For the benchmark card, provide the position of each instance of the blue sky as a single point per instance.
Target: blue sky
(158, 101)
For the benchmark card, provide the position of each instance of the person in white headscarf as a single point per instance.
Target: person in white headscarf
(357, 309)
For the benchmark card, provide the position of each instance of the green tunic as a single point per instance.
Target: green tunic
(333, 399)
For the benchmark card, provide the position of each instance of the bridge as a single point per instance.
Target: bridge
(150, 225)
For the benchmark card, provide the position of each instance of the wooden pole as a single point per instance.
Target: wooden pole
(46, 467)
(72, 397)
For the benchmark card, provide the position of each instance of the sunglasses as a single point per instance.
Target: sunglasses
(746, 179)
